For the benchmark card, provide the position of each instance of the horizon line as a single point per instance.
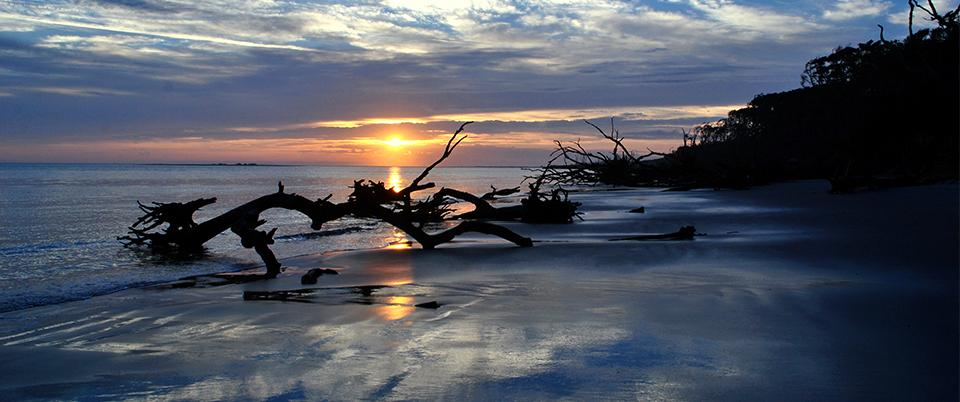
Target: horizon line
(257, 164)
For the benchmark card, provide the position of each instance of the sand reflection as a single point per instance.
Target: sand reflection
(392, 274)
(397, 240)
(393, 307)
(396, 307)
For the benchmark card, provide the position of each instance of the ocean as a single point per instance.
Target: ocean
(59, 222)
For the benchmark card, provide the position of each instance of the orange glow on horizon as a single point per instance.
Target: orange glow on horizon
(395, 142)
(391, 150)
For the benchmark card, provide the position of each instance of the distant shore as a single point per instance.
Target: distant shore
(258, 164)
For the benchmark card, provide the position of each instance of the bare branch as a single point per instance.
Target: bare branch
(451, 145)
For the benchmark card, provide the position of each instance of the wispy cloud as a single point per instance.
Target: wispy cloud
(755, 20)
(844, 10)
(130, 30)
(525, 116)
(72, 91)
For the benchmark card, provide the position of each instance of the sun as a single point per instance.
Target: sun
(395, 142)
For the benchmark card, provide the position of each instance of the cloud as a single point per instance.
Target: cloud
(126, 70)
(526, 116)
(844, 10)
(72, 91)
(131, 30)
(755, 20)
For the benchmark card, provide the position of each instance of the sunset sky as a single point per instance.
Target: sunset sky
(385, 82)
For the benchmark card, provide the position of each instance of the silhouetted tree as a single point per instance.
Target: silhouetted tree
(878, 113)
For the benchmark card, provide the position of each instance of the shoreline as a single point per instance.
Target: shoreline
(791, 294)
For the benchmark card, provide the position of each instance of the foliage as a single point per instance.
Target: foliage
(880, 109)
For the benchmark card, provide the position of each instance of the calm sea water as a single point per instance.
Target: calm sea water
(59, 223)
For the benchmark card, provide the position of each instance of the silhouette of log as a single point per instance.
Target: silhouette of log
(571, 163)
(310, 278)
(685, 233)
(369, 199)
(429, 241)
(536, 208)
(482, 208)
(185, 234)
(494, 192)
(299, 295)
(258, 240)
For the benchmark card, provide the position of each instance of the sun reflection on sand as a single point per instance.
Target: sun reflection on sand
(396, 307)
(392, 274)
(397, 240)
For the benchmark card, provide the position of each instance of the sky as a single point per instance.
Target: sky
(385, 82)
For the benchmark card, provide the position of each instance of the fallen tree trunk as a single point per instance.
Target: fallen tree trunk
(368, 200)
(482, 208)
(685, 233)
(535, 208)
(494, 192)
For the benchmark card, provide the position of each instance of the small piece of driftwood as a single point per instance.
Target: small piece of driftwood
(685, 233)
(310, 278)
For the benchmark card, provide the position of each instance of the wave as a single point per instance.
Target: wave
(40, 247)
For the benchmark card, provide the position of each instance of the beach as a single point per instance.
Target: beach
(787, 293)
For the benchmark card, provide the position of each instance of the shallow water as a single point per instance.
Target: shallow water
(59, 223)
(790, 294)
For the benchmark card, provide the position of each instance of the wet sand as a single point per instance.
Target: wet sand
(789, 294)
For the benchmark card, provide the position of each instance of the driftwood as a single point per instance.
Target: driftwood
(311, 276)
(368, 200)
(537, 207)
(494, 192)
(309, 295)
(430, 304)
(281, 295)
(571, 163)
(685, 233)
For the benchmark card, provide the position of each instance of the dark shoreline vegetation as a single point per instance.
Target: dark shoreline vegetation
(879, 114)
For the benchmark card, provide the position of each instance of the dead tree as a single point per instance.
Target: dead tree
(942, 20)
(368, 200)
(571, 163)
(537, 207)
(494, 192)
